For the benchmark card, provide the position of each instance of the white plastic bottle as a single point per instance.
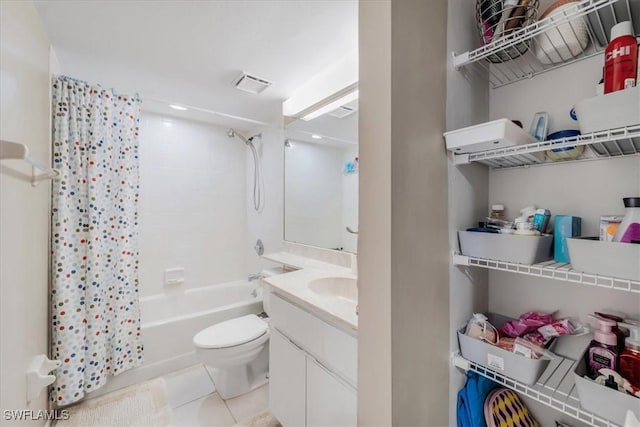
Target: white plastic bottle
(629, 230)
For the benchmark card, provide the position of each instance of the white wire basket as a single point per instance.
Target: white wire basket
(565, 32)
(497, 19)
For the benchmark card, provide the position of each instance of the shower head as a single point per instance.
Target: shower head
(231, 133)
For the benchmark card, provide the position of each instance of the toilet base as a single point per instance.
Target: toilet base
(237, 380)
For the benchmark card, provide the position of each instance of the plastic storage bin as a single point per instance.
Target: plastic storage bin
(611, 111)
(487, 136)
(499, 360)
(602, 401)
(591, 255)
(506, 247)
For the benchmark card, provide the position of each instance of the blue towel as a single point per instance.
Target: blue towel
(470, 410)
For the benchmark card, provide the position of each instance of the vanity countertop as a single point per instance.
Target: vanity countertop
(299, 262)
(294, 287)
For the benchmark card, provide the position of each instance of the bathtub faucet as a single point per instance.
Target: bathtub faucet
(254, 276)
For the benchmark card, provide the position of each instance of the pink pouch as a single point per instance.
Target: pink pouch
(528, 322)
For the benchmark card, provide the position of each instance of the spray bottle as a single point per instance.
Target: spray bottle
(630, 356)
(621, 58)
(603, 350)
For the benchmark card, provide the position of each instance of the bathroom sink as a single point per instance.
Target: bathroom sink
(344, 288)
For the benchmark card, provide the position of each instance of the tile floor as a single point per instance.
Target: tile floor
(195, 403)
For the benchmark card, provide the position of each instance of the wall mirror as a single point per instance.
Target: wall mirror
(321, 179)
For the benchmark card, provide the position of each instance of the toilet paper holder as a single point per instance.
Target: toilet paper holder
(38, 376)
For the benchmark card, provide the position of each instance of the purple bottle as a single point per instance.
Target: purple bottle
(603, 350)
(629, 230)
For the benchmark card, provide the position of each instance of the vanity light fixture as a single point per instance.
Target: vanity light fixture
(332, 87)
(178, 107)
(351, 96)
(316, 136)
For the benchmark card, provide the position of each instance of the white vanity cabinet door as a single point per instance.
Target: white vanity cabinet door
(330, 401)
(334, 347)
(287, 382)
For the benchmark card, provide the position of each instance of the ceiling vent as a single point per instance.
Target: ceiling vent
(342, 112)
(251, 84)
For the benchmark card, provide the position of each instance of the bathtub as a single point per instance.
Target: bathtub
(169, 322)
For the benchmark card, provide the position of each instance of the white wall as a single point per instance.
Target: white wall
(313, 188)
(467, 99)
(192, 203)
(24, 211)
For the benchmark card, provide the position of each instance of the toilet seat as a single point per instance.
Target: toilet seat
(231, 333)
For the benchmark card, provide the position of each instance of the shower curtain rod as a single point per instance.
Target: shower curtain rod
(204, 110)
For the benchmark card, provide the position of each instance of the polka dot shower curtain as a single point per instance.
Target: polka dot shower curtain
(95, 308)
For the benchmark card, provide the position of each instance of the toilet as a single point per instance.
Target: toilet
(237, 351)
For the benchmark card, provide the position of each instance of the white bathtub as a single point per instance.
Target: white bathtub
(170, 321)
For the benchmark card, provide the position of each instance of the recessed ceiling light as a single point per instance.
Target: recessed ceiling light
(316, 136)
(178, 107)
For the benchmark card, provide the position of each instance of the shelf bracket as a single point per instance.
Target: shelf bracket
(460, 362)
(460, 259)
(461, 159)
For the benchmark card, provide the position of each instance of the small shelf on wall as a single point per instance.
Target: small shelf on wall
(569, 34)
(623, 141)
(16, 151)
(555, 388)
(551, 270)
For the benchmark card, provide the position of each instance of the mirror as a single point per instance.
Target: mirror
(321, 180)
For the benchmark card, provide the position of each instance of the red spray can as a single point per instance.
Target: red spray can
(620, 59)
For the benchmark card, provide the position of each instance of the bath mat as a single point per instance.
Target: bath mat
(140, 405)
(263, 419)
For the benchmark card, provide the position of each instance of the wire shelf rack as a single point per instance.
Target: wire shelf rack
(551, 270)
(555, 388)
(575, 32)
(624, 141)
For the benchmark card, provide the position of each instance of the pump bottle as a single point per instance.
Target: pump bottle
(603, 350)
(630, 356)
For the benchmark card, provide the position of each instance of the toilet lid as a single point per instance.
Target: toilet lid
(231, 332)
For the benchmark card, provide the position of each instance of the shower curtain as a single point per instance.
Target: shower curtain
(94, 296)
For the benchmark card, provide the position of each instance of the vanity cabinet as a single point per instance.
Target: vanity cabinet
(287, 377)
(330, 401)
(313, 368)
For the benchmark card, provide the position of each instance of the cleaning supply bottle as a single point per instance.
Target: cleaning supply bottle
(603, 350)
(620, 59)
(629, 229)
(630, 356)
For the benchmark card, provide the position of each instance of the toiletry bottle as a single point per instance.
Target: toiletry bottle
(621, 59)
(629, 229)
(630, 356)
(620, 335)
(603, 350)
(497, 212)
